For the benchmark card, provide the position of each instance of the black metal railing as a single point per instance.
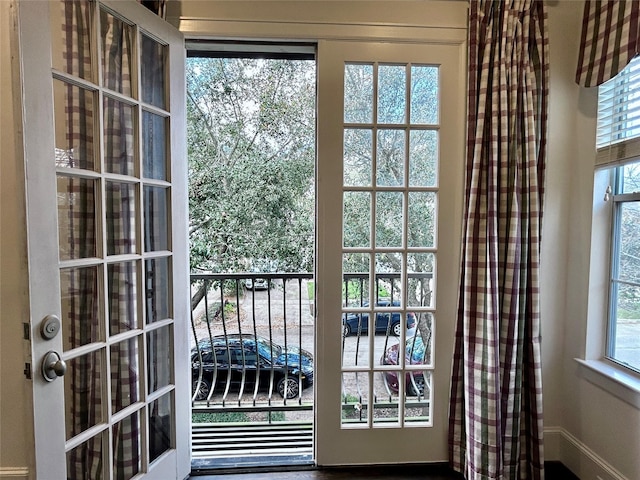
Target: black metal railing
(252, 337)
(252, 350)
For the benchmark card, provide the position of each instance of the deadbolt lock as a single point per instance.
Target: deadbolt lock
(49, 327)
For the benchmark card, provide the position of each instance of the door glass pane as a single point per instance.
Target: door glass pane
(153, 61)
(388, 267)
(392, 93)
(157, 286)
(80, 302)
(355, 274)
(422, 211)
(390, 158)
(358, 157)
(355, 342)
(85, 461)
(420, 268)
(355, 395)
(424, 94)
(159, 358)
(385, 409)
(76, 218)
(160, 426)
(117, 53)
(121, 218)
(419, 347)
(356, 219)
(358, 93)
(119, 145)
(389, 219)
(74, 116)
(126, 447)
(154, 148)
(122, 284)
(419, 396)
(124, 374)
(84, 392)
(71, 42)
(423, 158)
(156, 234)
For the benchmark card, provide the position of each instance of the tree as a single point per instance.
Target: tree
(251, 137)
(251, 134)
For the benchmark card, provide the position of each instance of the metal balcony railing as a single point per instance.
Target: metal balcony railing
(252, 360)
(251, 366)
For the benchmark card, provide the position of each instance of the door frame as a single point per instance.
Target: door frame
(34, 32)
(441, 23)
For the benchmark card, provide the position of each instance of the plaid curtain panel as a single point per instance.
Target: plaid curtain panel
(610, 39)
(495, 429)
(85, 407)
(119, 158)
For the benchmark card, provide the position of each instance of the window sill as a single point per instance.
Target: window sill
(613, 379)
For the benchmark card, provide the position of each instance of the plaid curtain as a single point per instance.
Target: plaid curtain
(495, 429)
(86, 381)
(84, 461)
(610, 39)
(119, 158)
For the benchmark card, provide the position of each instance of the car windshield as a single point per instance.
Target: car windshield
(267, 349)
(292, 358)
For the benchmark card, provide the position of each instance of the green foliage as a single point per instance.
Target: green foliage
(219, 417)
(278, 416)
(251, 151)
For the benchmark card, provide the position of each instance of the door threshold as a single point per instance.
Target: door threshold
(254, 463)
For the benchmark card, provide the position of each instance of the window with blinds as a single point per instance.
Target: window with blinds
(618, 134)
(618, 157)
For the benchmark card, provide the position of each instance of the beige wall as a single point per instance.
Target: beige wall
(580, 417)
(602, 423)
(15, 410)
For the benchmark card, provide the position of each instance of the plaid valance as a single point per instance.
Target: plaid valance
(610, 39)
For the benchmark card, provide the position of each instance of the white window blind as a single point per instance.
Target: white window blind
(618, 135)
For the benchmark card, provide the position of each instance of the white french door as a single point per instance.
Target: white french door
(390, 190)
(104, 120)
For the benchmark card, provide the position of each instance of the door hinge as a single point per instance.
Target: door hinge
(27, 371)
(26, 331)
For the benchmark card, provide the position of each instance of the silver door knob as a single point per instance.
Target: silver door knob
(53, 366)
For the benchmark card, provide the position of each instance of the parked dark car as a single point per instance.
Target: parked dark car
(273, 367)
(415, 354)
(353, 323)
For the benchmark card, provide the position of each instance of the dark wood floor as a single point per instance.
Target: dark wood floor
(553, 471)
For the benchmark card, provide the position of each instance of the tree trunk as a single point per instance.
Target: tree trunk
(198, 296)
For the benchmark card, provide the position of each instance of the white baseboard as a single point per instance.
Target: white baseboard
(14, 473)
(562, 446)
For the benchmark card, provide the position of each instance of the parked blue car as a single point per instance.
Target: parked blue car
(352, 323)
